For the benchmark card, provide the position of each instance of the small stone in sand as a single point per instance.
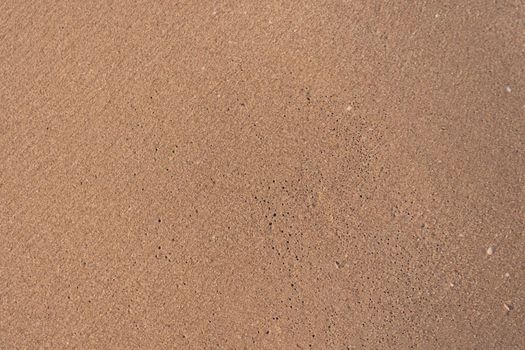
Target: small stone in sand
(507, 306)
(490, 250)
(508, 88)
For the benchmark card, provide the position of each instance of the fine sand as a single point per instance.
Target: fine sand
(329, 174)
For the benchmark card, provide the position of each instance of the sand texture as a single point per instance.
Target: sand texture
(328, 174)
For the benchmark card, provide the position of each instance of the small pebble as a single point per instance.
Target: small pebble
(507, 275)
(508, 88)
(490, 250)
(507, 307)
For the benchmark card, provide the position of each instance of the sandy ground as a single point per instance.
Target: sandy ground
(262, 174)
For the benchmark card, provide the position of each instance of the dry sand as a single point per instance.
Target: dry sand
(327, 174)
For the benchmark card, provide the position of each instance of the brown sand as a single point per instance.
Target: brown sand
(262, 175)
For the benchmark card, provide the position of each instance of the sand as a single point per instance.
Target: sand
(262, 175)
